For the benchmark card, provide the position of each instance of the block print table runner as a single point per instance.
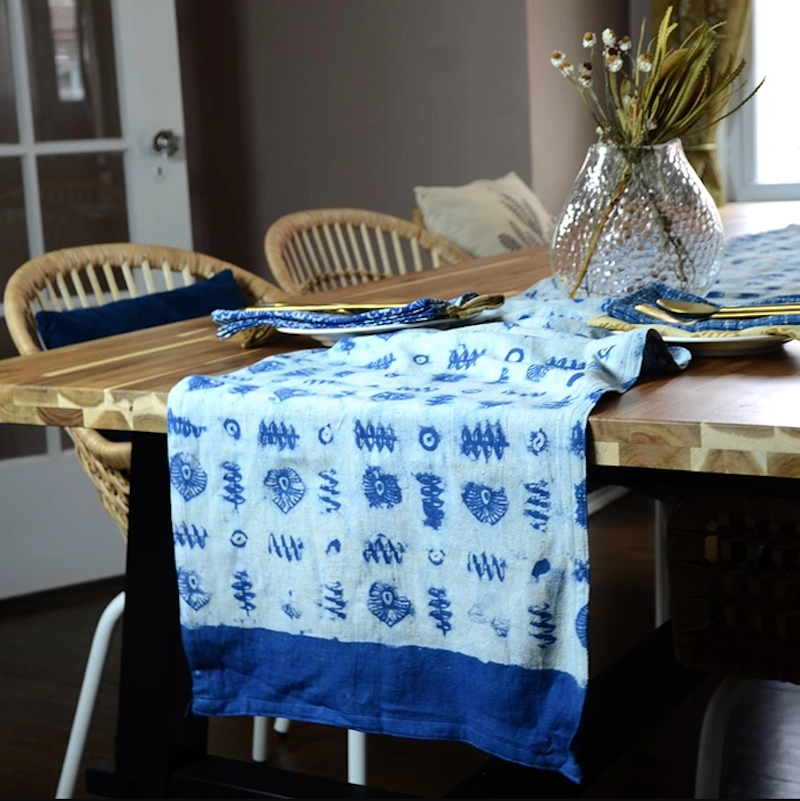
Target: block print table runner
(391, 535)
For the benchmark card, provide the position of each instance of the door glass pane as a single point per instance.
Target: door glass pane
(13, 228)
(71, 62)
(8, 108)
(83, 199)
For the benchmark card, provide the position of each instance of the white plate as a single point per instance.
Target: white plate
(327, 336)
(728, 346)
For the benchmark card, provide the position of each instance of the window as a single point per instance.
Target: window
(764, 154)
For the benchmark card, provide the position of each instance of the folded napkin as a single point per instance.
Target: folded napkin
(418, 311)
(621, 314)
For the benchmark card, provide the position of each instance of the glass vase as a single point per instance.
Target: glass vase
(634, 216)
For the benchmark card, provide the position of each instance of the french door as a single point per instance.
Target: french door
(91, 151)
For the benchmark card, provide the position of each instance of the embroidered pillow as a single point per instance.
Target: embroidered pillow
(487, 216)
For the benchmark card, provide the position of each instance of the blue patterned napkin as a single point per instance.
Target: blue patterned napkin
(623, 308)
(418, 311)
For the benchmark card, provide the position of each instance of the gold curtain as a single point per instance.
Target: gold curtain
(701, 147)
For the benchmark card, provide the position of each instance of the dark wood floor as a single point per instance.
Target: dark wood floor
(44, 641)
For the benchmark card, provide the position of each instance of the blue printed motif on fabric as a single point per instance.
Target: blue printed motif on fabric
(582, 625)
(233, 490)
(463, 359)
(243, 591)
(203, 382)
(191, 536)
(189, 589)
(374, 437)
(232, 428)
(432, 503)
(382, 549)
(284, 393)
(265, 366)
(429, 438)
(238, 539)
(187, 476)
(486, 504)
(537, 505)
(286, 547)
(538, 442)
(440, 609)
(577, 442)
(333, 600)
(381, 489)
(542, 624)
(392, 396)
(291, 610)
(242, 389)
(486, 440)
(384, 363)
(287, 488)
(387, 604)
(279, 435)
(541, 568)
(581, 570)
(329, 489)
(581, 510)
(325, 435)
(487, 566)
(182, 426)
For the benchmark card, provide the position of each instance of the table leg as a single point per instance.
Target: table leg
(156, 732)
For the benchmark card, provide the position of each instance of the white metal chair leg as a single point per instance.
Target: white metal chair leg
(712, 736)
(260, 726)
(260, 739)
(88, 695)
(356, 757)
(660, 563)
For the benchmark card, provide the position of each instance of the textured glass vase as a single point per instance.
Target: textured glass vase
(634, 216)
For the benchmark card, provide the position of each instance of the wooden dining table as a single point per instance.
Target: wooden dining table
(721, 423)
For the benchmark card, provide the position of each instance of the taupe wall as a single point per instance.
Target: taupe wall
(561, 127)
(294, 104)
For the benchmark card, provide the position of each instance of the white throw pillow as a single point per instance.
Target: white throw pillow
(486, 217)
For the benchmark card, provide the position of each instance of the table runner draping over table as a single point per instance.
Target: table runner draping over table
(391, 535)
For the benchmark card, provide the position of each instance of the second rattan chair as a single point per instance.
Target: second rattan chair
(318, 249)
(91, 276)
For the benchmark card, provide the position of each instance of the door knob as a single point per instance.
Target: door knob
(165, 142)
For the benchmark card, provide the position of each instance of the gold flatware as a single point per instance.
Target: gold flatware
(707, 310)
(660, 314)
(332, 308)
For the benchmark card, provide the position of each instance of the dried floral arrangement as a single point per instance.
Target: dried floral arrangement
(661, 91)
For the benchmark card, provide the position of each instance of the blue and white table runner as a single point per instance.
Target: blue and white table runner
(390, 535)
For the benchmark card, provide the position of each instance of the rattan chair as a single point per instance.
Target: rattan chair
(319, 249)
(94, 275)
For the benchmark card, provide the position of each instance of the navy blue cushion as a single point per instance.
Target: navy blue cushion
(122, 316)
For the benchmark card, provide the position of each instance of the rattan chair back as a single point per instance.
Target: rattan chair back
(95, 275)
(319, 249)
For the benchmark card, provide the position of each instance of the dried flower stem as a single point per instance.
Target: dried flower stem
(598, 230)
